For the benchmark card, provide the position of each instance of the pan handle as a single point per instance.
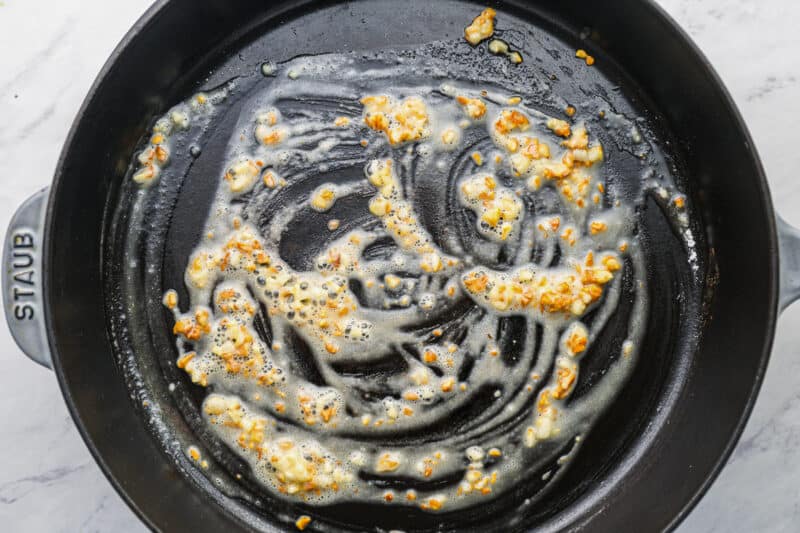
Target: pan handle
(789, 254)
(22, 279)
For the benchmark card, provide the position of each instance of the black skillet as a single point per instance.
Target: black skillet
(655, 452)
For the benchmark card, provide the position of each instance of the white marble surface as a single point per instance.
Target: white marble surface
(50, 51)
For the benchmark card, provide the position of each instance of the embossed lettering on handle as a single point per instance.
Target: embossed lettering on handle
(22, 279)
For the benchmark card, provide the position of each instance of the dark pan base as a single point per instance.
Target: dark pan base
(673, 425)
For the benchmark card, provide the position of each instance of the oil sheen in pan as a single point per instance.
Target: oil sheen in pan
(438, 392)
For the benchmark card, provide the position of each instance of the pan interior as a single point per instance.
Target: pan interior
(150, 243)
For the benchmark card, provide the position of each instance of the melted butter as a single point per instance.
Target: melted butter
(310, 441)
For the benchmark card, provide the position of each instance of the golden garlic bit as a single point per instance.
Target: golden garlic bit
(302, 522)
(434, 503)
(500, 47)
(399, 219)
(401, 122)
(242, 175)
(170, 299)
(539, 292)
(482, 27)
(388, 462)
(581, 54)
(476, 480)
(510, 121)
(573, 344)
(323, 197)
(267, 130)
(497, 207)
(474, 108)
(153, 158)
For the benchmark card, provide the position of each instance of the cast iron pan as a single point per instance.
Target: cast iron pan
(653, 453)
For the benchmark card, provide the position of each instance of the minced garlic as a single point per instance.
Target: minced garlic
(482, 27)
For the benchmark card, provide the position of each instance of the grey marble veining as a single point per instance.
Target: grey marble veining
(50, 52)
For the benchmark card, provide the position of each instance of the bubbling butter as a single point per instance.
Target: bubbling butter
(453, 299)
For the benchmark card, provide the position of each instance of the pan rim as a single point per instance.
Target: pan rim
(683, 37)
(130, 36)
